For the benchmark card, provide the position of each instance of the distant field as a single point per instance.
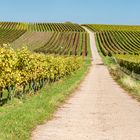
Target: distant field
(105, 27)
(54, 38)
(42, 27)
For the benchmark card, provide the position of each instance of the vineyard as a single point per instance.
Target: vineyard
(64, 43)
(51, 38)
(66, 39)
(23, 71)
(103, 27)
(117, 39)
(29, 69)
(42, 27)
(121, 42)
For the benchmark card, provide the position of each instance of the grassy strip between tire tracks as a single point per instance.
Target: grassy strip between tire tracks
(131, 85)
(19, 117)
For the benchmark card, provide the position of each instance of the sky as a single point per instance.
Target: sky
(77, 11)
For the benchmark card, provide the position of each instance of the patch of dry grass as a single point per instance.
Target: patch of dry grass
(131, 85)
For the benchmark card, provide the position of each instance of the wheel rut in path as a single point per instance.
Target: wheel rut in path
(99, 110)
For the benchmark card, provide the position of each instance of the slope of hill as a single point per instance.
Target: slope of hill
(54, 38)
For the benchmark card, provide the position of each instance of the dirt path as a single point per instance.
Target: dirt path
(99, 110)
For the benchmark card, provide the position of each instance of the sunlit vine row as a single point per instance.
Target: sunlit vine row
(23, 71)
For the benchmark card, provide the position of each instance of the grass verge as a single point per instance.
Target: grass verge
(131, 85)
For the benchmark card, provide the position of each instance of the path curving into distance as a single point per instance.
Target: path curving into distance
(99, 110)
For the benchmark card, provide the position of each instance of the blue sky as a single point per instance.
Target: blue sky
(78, 11)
